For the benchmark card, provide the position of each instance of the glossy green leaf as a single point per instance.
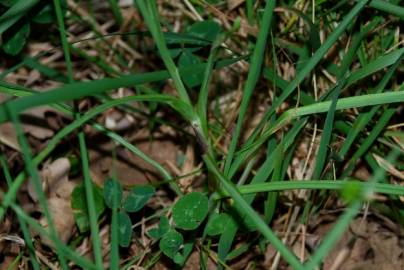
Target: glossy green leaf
(217, 224)
(79, 206)
(47, 13)
(19, 9)
(186, 60)
(179, 258)
(171, 243)
(112, 193)
(8, 3)
(125, 229)
(162, 229)
(190, 210)
(16, 42)
(138, 197)
(208, 30)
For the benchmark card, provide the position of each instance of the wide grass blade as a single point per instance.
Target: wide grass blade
(283, 185)
(14, 13)
(310, 65)
(11, 194)
(68, 92)
(343, 222)
(245, 209)
(149, 11)
(37, 183)
(96, 240)
(252, 78)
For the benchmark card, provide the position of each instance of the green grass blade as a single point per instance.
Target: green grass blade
(96, 240)
(116, 11)
(21, 221)
(343, 222)
(284, 185)
(245, 209)
(350, 102)
(388, 7)
(327, 132)
(67, 92)
(314, 60)
(32, 171)
(250, 11)
(202, 103)
(272, 197)
(149, 11)
(252, 78)
(114, 232)
(370, 139)
(14, 13)
(88, 186)
(375, 65)
(363, 119)
(72, 255)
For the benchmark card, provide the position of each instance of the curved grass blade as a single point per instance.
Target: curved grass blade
(67, 92)
(252, 78)
(96, 240)
(283, 185)
(343, 222)
(245, 209)
(21, 221)
(314, 60)
(11, 194)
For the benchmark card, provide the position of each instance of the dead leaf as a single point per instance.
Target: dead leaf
(58, 188)
(232, 4)
(51, 175)
(188, 167)
(11, 252)
(63, 219)
(8, 136)
(130, 169)
(389, 167)
(367, 245)
(5, 227)
(34, 122)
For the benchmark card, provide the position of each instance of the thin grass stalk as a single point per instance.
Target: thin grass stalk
(343, 222)
(96, 240)
(23, 226)
(252, 78)
(245, 209)
(37, 183)
(71, 254)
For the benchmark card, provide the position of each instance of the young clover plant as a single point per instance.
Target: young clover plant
(184, 45)
(15, 37)
(80, 209)
(136, 199)
(188, 213)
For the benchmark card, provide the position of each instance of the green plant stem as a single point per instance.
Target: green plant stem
(388, 7)
(252, 78)
(72, 255)
(96, 240)
(245, 209)
(11, 194)
(21, 221)
(343, 222)
(283, 185)
(37, 183)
